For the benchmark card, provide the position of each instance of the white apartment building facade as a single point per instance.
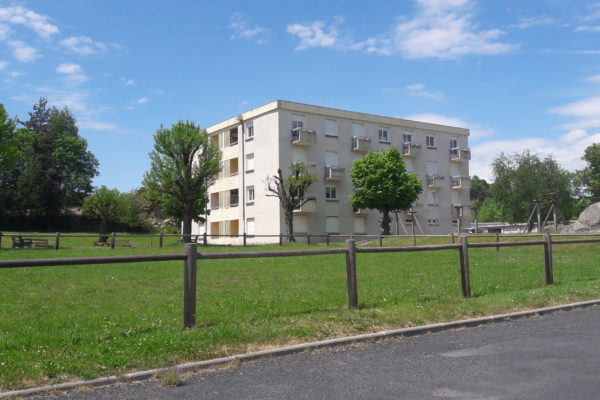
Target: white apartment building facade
(258, 142)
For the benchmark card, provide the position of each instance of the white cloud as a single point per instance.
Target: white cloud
(16, 74)
(143, 100)
(97, 125)
(74, 73)
(540, 20)
(83, 45)
(23, 52)
(439, 29)
(594, 79)
(127, 82)
(477, 132)
(586, 108)
(419, 90)
(4, 31)
(242, 27)
(18, 15)
(316, 34)
(3, 65)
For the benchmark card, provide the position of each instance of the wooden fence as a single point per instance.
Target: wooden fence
(191, 257)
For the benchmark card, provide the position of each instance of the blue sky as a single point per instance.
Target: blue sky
(519, 74)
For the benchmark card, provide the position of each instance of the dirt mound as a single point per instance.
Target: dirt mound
(588, 221)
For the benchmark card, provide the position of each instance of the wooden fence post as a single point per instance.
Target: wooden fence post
(380, 241)
(308, 239)
(189, 285)
(452, 237)
(548, 259)
(245, 239)
(161, 239)
(326, 239)
(112, 240)
(205, 237)
(497, 240)
(281, 239)
(57, 241)
(464, 267)
(351, 274)
(0, 240)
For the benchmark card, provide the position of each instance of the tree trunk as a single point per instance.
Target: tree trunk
(289, 221)
(385, 222)
(186, 228)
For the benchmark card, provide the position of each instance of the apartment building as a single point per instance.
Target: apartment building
(258, 142)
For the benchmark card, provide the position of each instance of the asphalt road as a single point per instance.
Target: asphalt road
(555, 356)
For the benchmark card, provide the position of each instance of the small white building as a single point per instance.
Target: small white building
(258, 142)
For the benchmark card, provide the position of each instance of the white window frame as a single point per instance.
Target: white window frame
(383, 135)
(453, 143)
(250, 223)
(250, 131)
(407, 138)
(298, 121)
(430, 141)
(329, 220)
(250, 194)
(331, 193)
(249, 162)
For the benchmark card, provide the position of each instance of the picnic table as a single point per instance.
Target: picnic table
(34, 243)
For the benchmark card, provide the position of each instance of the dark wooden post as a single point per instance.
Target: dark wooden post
(497, 240)
(112, 240)
(380, 241)
(308, 239)
(452, 237)
(281, 239)
(548, 259)
(327, 239)
(189, 285)
(205, 237)
(351, 274)
(245, 239)
(57, 241)
(464, 267)
(0, 240)
(161, 239)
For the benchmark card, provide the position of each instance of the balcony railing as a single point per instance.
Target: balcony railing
(361, 144)
(459, 182)
(334, 173)
(460, 154)
(434, 181)
(303, 137)
(359, 211)
(307, 208)
(410, 149)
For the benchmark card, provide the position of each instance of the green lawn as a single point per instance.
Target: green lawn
(63, 323)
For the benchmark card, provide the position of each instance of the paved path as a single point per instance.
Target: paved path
(556, 356)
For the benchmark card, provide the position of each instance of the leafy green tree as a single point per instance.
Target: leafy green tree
(589, 177)
(184, 164)
(8, 146)
(489, 211)
(523, 178)
(480, 190)
(105, 205)
(381, 182)
(291, 192)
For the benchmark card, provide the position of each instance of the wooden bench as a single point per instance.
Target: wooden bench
(34, 243)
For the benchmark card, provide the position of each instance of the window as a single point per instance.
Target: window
(330, 193)
(358, 130)
(331, 159)
(214, 139)
(233, 136)
(429, 142)
(331, 127)
(234, 197)
(383, 135)
(332, 224)
(300, 224)
(359, 225)
(453, 143)
(433, 221)
(214, 201)
(297, 122)
(250, 226)
(233, 166)
(408, 222)
(249, 131)
(250, 162)
(407, 138)
(250, 195)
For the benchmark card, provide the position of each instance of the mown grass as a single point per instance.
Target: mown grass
(79, 322)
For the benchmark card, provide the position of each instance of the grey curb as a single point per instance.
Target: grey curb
(257, 355)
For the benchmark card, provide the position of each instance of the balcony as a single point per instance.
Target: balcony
(458, 182)
(359, 211)
(308, 208)
(334, 173)
(460, 154)
(410, 149)
(303, 137)
(434, 181)
(361, 144)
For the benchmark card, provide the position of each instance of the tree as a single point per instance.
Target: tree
(184, 164)
(590, 176)
(381, 182)
(523, 178)
(480, 190)
(489, 211)
(291, 192)
(8, 147)
(106, 205)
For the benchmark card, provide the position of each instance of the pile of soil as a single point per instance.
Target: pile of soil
(588, 221)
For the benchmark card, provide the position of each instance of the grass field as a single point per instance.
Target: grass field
(79, 322)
